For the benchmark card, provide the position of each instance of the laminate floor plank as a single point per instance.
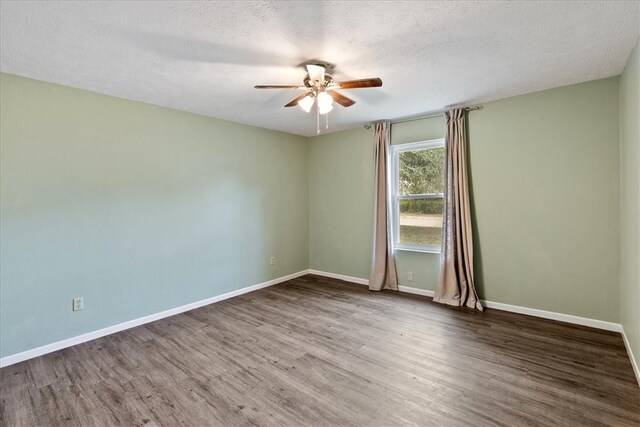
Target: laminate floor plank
(321, 352)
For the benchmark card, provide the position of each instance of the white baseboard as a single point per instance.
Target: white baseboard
(634, 363)
(360, 281)
(352, 279)
(416, 291)
(59, 345)
(584, 321)
(561, 317)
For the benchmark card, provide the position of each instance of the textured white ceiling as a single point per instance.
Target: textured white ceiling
(205, 57)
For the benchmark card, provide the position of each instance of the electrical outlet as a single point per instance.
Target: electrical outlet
(78, 304)
(410, 276)
(272, 260)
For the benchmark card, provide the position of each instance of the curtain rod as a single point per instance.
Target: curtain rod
(425, 116)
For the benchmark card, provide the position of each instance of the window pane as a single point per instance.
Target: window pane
(421, 171)
(421, 221)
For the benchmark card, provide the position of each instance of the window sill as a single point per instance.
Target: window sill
(425, 250)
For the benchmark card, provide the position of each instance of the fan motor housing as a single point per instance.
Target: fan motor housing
(327, 79)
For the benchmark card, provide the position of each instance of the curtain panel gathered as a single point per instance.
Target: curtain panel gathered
(455, 282)
(383, 267)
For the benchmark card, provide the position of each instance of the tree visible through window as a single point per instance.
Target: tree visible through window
(418, 181)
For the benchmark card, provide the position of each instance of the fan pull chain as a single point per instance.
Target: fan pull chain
(326, 121)
(317, 120)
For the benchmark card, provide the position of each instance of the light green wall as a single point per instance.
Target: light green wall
(137, 208)
(544, 174)
(630, 201)
(341, 202)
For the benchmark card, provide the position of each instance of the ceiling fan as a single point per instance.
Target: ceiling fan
(320, 90)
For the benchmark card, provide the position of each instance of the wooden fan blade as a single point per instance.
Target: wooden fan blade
(294, 102)
(356, 84)
(341, 99)
(278, 87)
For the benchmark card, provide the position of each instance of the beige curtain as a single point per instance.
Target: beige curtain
(383, 267)
(455, 284)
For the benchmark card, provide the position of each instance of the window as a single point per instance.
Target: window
(417, 187)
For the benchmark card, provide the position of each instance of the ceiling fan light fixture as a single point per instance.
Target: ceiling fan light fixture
(306, 103)
(325, 110)
(320, 89)
(325, 103)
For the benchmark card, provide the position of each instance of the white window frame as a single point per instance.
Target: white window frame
(396, 197)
